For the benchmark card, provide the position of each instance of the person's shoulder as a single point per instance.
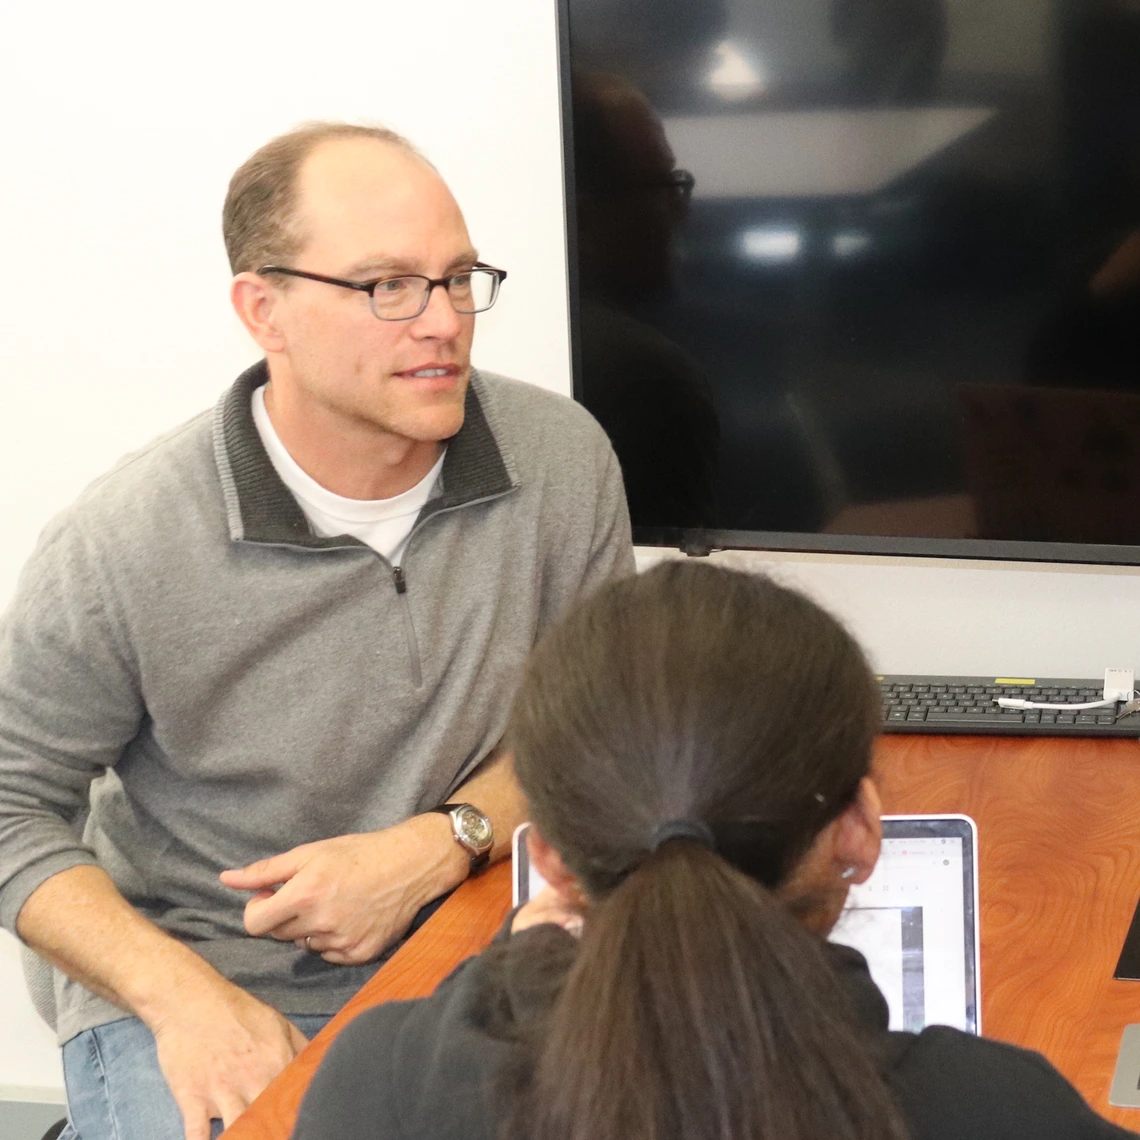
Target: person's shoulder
(522, 396)
(165, 461)
(533, 418)
(410, 1068)
(951, 1084)
(150, 487)
(352, 1092)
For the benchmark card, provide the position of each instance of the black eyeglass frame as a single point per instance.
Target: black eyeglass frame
(678, 183)
(369, 287)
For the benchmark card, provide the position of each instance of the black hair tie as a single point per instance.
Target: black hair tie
(695, 830)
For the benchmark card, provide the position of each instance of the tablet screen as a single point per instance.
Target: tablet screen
(915, 921)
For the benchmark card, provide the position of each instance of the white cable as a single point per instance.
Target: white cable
(1117, 687)
(1017, 703)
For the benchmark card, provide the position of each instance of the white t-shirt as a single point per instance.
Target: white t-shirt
(384, 524)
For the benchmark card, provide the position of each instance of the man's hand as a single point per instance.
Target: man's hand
(219, 1053)
(351, 897)
(218, 1047)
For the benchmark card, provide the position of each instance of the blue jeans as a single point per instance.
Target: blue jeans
(115, 1089)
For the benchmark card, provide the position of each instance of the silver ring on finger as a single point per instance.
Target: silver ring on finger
(309, 943)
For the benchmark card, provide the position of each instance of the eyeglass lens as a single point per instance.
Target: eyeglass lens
(401, 297)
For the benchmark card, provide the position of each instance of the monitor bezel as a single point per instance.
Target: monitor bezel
(702, 542)
(707, 540)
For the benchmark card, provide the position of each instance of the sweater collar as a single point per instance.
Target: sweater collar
(260, 508)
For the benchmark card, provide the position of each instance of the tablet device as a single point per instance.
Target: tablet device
(915, 920)
(527, 882)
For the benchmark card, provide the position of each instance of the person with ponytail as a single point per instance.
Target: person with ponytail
(695, 746)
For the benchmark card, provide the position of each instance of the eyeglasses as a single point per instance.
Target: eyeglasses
(676, 184)
(404, 298)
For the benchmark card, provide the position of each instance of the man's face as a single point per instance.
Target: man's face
(370, 210)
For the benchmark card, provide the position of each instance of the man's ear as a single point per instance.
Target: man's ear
(255, 300)
(548, 863)
(858, 834)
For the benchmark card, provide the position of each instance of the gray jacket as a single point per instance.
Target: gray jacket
(217, 684)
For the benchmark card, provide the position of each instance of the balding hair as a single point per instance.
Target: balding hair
(259, 219)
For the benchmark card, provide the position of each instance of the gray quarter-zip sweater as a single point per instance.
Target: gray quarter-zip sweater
(191, 680)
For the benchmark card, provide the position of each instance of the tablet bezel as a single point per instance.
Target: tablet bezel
(953, 825)
(520, 866)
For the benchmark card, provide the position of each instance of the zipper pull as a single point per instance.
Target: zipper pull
(399, 579)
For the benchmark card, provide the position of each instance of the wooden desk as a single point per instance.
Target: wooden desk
(1059, 839)
(1059, 852)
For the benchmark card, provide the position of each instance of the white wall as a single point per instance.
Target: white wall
(123, 123)
(940, 616)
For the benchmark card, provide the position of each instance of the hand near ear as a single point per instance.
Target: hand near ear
(844, 853)
(858, 834)
(562, 902)
(548, 906)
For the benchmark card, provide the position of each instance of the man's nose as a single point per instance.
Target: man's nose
(439, 318)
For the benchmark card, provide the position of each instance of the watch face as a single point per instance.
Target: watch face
(474, 828)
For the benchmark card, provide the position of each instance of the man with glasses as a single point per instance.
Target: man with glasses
(270, 656)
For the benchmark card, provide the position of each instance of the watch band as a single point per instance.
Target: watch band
(479, 856)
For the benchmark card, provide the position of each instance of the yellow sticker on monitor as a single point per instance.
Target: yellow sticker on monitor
(1014, 681)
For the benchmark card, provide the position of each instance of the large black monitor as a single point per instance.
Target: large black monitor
(861, 275)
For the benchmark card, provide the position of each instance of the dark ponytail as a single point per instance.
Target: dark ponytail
(698, 1007)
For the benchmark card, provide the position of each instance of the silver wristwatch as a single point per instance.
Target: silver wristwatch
(472, 831)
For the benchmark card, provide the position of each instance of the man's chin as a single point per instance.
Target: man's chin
(432, 423)
(437, 429)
